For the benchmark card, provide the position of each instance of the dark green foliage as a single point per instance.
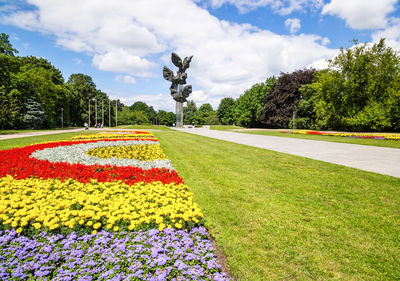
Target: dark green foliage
(5, 46)
(83, 89)
(283, 100)
(129, 117)
(10, 108)
(165, 118)
(360, 91)
(205, 115)
(34, 83)
(226, 110)
(148, 110)
(189, 112)
(34, 116)
(248, 105)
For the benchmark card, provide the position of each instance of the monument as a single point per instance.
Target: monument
(178, 91)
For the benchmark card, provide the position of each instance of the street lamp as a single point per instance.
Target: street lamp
(95, 115)
(116, 113)
(89, 115)
(102, 113)
(109, 113)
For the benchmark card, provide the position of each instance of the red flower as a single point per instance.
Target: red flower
(16, 162)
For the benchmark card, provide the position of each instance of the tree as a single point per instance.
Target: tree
(225, 111)
(205, 114)
(34, 116)
(10, 109)
(5, 46)
(128, 117)
(248, 105)
(142, 106)
(360, 91)
(282, 102)
(38, 80)
(166, 118)
(189, 112)
(83, 91)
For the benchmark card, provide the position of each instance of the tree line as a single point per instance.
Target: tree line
(359, 91)
(33, 94)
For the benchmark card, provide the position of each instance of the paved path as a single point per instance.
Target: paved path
(376, 159)
(41, 133)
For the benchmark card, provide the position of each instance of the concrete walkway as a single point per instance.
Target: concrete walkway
(41, 133)
(376, 159)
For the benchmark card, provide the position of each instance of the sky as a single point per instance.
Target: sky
(124, 44)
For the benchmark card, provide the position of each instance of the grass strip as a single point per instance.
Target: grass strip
(8, 132)
(276, 133)
(281, 217)
(19, 142)
(145, 127)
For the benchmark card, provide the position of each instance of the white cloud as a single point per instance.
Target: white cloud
(120, 60)
(282, 7)
(158, 101)
(361, 14)
(77, 61)
(293, 24)
(391, 34)
(325, 41)
(135, 38)
(127, 79)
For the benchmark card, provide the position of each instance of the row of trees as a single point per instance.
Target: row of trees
(33, 94)
(360, 91)
(141, 113)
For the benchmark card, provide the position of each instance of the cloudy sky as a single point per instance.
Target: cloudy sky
(124, 44)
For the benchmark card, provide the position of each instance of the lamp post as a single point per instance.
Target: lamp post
(102, 113)
(116, 113)
(89, 115)
(109, 113)
(95, 110)
(62, 118)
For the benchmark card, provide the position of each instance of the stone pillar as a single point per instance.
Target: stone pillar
(179, 114)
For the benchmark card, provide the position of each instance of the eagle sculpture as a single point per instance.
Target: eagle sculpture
(178, 93)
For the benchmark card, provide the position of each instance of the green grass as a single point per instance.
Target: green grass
(283, 217)
(7, 132)
(276, 133)
(18, 142)
(145, 127)
(224, 127)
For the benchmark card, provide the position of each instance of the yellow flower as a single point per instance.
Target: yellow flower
(19, 230)
(94, 232)
(89, 223)
(36, 225)
(97, 225)
(161, 226)
(116, 228)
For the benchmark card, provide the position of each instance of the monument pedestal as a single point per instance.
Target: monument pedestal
(179, 114)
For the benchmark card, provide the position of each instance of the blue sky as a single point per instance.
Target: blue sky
(123, 44)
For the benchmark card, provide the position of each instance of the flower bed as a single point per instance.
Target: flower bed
(143, 255)
(381, 136)
(66, 215)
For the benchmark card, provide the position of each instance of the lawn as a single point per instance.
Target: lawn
(276, 133)
(281, 217)
(7, 132)
(145, 127)
(18, 142)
